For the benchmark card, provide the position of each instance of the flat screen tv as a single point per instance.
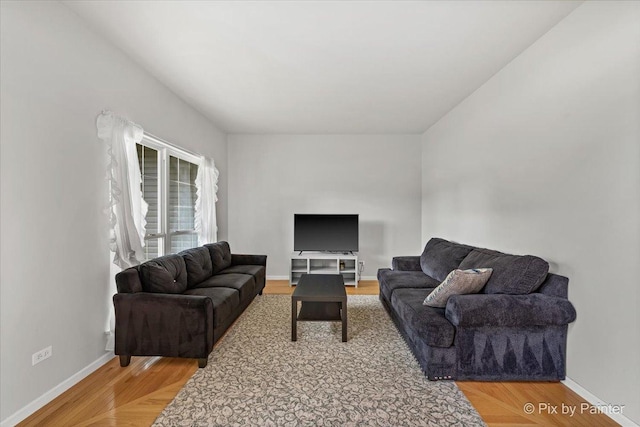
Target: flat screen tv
(330, 233)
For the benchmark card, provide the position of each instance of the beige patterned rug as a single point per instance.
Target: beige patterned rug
(257, 376)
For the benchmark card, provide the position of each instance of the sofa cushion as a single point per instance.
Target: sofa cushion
(421, 322)
(198, 263)
(166, 274)
(257, 271)
(225, 302)
(440, 257)
(391, 280)
(220, 255)
(512, 274)
(243, 283)
(458, 282)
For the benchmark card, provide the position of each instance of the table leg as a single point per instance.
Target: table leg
(294, 319)
(344, 321)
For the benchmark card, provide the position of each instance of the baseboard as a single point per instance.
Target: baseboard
(287, 278)
(595, 401)
(278, 278)
(56, 391)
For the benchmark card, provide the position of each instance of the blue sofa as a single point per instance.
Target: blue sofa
(514, 329)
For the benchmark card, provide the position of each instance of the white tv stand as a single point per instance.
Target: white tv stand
(324, 263)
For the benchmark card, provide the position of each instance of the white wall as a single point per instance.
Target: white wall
(545, 159)
(56, 77)
(375, 176)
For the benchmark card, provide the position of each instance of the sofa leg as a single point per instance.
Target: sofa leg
(260, 293)
(124, 360)
(202, 362)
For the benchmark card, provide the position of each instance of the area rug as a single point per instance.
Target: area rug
(256, 376)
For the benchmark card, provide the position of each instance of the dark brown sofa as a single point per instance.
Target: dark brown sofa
(180, 305)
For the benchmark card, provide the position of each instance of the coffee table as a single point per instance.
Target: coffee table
(323, 298)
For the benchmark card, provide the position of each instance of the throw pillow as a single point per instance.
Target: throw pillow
(458, 282)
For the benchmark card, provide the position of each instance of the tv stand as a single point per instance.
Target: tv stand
(324, 263)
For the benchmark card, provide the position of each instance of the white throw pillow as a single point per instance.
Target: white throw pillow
(458, 282)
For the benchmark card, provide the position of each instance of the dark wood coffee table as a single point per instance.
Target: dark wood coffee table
(323, 298)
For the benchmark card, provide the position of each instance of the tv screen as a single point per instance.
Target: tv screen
(335, 233)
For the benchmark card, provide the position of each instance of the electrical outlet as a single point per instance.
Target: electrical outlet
(361, 263)
(39, 356)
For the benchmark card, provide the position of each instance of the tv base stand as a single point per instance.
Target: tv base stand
(324, 263)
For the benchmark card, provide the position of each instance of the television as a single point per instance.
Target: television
(326, 233)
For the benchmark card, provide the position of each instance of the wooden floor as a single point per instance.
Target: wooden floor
(135, 395)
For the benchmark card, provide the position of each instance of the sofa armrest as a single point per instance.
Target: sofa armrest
(406, 263)
(128, 281)
(241, 259)
(509, 310)
(555, 286)
(173, 325)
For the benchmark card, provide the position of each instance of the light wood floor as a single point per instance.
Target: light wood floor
(135, 395)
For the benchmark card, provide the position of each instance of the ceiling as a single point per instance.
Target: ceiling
(354, 67)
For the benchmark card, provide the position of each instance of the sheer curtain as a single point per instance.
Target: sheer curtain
(127, 208)
(206, 197)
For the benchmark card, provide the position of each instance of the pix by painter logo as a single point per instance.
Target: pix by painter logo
(571, 410)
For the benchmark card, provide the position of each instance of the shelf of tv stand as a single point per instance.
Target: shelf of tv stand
(345, 264)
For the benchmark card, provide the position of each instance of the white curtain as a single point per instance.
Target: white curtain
(127, 208)
(206, 198)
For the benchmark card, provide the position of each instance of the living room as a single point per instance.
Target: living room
(508, 125)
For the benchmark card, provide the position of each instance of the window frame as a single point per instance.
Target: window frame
(165, 150)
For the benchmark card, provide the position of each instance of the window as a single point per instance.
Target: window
(168, 186)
